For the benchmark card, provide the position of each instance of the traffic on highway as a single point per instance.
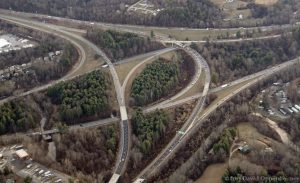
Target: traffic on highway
(198, 115)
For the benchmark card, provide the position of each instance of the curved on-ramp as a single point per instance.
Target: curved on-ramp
(48, 30)
(55, 30)
(173, 145)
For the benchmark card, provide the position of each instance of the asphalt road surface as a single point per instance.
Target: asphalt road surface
(190, 123)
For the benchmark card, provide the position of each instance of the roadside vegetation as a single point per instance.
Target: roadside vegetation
(148, 128)
(16, 116)
(82, 97)
(160, 127)
(225, 141)
(41, 71)
(230, 61)
(190, 161)
(188, 13)
(118, 45)
(156, 81)
(87, 154)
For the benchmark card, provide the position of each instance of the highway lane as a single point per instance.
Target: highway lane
(154, 166)
(142, 56)
(272, 70)
(91, 124)
(122, 109)
(189, 124)
(145, 30)
(172, 103)
(223, 40)
(129, 75)
(120, 97)
(198, 63)
(67, 37)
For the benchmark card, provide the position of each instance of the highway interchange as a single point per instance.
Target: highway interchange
(196, 118)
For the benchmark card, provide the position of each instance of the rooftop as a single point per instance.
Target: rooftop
(3, 43)
(22, 153)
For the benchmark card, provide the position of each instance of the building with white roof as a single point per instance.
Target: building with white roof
(4, 43)
(22, 154)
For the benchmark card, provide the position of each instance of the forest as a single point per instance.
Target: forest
(187, 13)
(16, 116)
(229, 61)
(148, 128)
(192, 13)
(84, 96)
(118, 45)
(87, 154)
(225, 141)
(281, 12)
(189, 163)
(155, 81)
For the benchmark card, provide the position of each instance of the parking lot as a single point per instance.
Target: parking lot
(40, 173)
(28, 167)
(11, 42)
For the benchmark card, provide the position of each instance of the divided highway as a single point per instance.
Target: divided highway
(172, 103)
(189, 128)
(189, 124)
(63, 35)
(120, 97)
(198, 115)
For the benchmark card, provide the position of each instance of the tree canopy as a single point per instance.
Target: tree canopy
(84, 96)
(156, 80)
(118, 45)
(15, 116)
(149, 128)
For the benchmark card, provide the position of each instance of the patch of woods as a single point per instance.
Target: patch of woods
(190, 161)
(229, 61)
(189, 13)
(192, 13)
(40, 71)
(17, 116)
(155, 81)
(119, 45)
(161, 78)
(7, 174)
(87, 154)
(282, 12)
(139, 159)
(149, 128)
(82, 97)
(185, 13)
(225, 141)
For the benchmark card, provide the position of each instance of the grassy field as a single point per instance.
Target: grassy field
(90, 64)
(231, 9)
(213, 173)
(250, 134)
(266, 2)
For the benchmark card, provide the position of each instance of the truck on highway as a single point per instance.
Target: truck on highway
(225, 85)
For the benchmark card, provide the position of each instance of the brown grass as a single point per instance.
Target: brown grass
(213, 173)
(266, 2)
